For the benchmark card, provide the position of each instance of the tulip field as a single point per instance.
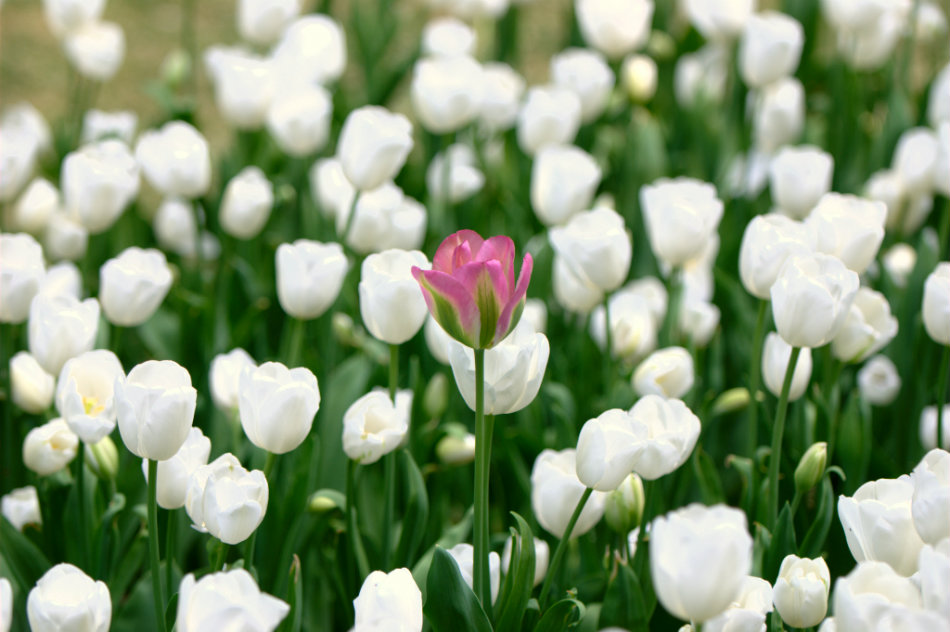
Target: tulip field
(474, 315)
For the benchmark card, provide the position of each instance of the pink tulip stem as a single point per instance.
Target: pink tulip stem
(389, 465)
(775, 458)
(483, 432)
(153, 544)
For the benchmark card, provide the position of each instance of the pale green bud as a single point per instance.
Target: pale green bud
(103, 458)
(733, 400)
(436, 396)
(326, 500)
(811, 468)
(624, 505)
(456, 449)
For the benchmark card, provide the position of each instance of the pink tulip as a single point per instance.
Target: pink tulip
(471, 288)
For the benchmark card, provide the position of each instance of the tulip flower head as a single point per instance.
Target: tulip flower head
(471, 289)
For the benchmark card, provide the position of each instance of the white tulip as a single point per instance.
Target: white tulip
(456, 450)
(930, 504)
(719, 20)
(536, 312)
(133, 285)
(98, 181)
(35, 206)
(262, 23)
(775, 356)
(225, 376)
(448, 37)
(21, 272)
(65, 598)
(171, 486)
(464, 178)
(778, 114)
(373, 146)
(698, 320)
(929, 437)
(176, 229)
(681, 216)
(606, 450)
(244, 85)
(464, 556)
(871, 593)
(869, 46)
(639, 76)
(246, 203)
(31, 387)
(665, 433)
(309, 277)
(801, 591)
(19, 154)
(312, 49)
(99, 124)
(667, 372)
(572, 292)
(175, 160)
(227, 600)
(938, 109)
(62, 278)
(21, 507)
(700, 78)
(61, 327)
(915, 159)
(6, 604)
(514, 369)
(747, 612)
(446, 92)
(878, 381)
(63, 16)
(770, 48)
(226, 500)
(550, 115)
(614, 27)
(936, 305)
(502, 89)
(277, 405)
(941, 183)
(597, 246)
(49, 448)
(555, 492)
(330, 187)
(563, 181)
(389, 600)
(633, 325)
(392, 307)
(96, 49)
(934, 577)
(299, 119)
(811, 298)
(586, 73)
(542, 554)
(155, 407)
(867, 328)
(767, 243)
(85, 393)
(849, 227)
(383, 219)
(65, 238)
(699, 560)
(798, 177)
(374, 425)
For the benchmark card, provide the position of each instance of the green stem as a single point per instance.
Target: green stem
(81, 503)
(356, 542)
(481, 579)
(295, 344)
(170, 532)
(755, 379)
(349, 218)
(668, 334)
(833, 394)
(562, 546)
(608, 346)
(775, 458)
(389, 464)
(796, 501)
(942, 430)
(221, 556)
(269, 464)
(153, 545)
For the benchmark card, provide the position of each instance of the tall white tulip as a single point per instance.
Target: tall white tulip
(175, 160)
(770, 48)
(550, 115)
(299, 119)
(246, 203)
(586, 73)
(374, 425)
(133, 285)
(633, 325)
(849, 227)
(563, 181)
(767, 243)
(309, 276)
(226, 500)
(171, 486)
(930, 503)
(61, 327)
(65, 598)
(811, 298)
(373, 146)
(681, 216)
(868, 327)
(798, 177)
(389, 600)
(665, 432)
(869, 594)
(614, 27)
(96, 49)
(606, 450)
(597, 246)
(392, 307)
(667, 372)
(277, 405)
(775, 356)
(464, 178)
(502, 88)
(225, 600)
(225, 376)
(98, 181)
(801, 591)
(699, 559)
(555, 491)
(49, 448)
(155, 406)
(446, 92)
(21, 271)
(936, 305)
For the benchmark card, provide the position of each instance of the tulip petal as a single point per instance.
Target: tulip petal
(450, 303)
(445, 256)
(511, 313)
(485, 281)
(502, 249)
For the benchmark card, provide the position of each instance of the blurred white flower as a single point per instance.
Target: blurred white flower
(96, 49)
(639, 76)
(586, 73)
(448, 37)
(35, 206)
(541, 555)
(21, 271)
(869, 594)
(563, 181)
(175, 227)
(464, 178)
(63, 16)
(98, 181)
(309, 276)
(747, 612)
(262, 22)
(224, 378)
(878, 381)
(778, 114)
(614, 27)
(62, 278)
(175, 160)
(770, 48)
(464, 556)
(21, 507)
(633, 325)
(101, 124)
(49, 448)
(133, 285)
(446, 92)
(311, 50)
(667, 372)
(606, 450)
(502, 88)
(373, 146)
(392, 307)
(330, 188)
(681, 216)
(665, 432)
(930, 503)
(61, 327)
(929, 438)
(798, 177)
(936, 304)
(31, 387)
(550, 115)
(390, 601)
(767, 243)
(298, 119)
(775, 356)
(596, 245)
(246, 203)
(555, 491)
(868, 327)
(915, 159)
(244, 85)
(65, 238)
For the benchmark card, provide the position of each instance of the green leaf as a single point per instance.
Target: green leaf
(708, 476)
(623, 603)
(24, 559)
(783, 543)
(346, 384)
(814, 540)
(560, 616)
(451, 605)
(417, 510)
(452, 536)
(519, 582)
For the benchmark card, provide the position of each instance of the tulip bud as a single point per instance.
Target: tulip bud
(730, 401)
(65, 598)
(878, 381)
(175, 160)
(312, 50)
(502, 89)
(96, 49)
(246, 203)
(277, 405)
(447, 37)
(49, 448)
(98, 125)
(878, 524)
(391, 305)
(85, 393)
(606, 450)
(324, 501)
(173, 474)
(374, 425)
(299, 119)
(541, 556)
(133, 285)
(373, 146)
(667, 372)
(586, 74)
(811, 298)
(464, 178)
(563, 182)
(102, 458)
(849, 227)
(155, 406)
(624, 506)
(464, 556)
(930, 504)
(597, 246)
(262, 23)
(514, 369)
(98, 181)
(810, 469)
(798, 178)
(614, 27)
(227, 598)
(21, 507)
(226, 500)
(688, 548)
(35, 206)
(551, 115)
(446, 92)
(639, 77)
(930, 435)
(665, 432)
(801, 591)
(770, 48)
(309, 277)
(436, 396)
(681, 216)
(389, 600)
(775, 356)
(455, 449)
(555, 491)
(31, 387)
(936, 305)
(244, 85)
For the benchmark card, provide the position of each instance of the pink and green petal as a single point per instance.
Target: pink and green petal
(445, 255)
(511, 312)
(501, 249)
(450, 304)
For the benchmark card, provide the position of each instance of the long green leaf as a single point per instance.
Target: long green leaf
(560, 616)
(519, 581)
(417, 510)
(451, 606)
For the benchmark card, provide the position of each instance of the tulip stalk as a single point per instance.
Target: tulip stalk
(608, 346)
(755, 378)
(942, 431)
(562, 545)
(389, 463)
(777, 431)
(153, 544)
(483, 432)
(352, 528)
(668, 334)
(349, 218)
